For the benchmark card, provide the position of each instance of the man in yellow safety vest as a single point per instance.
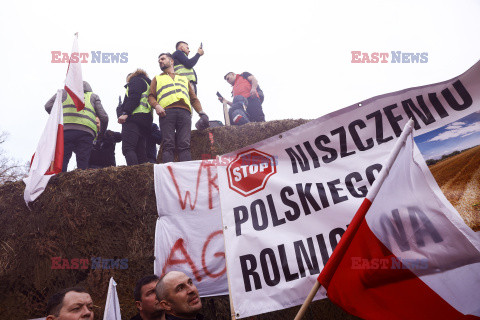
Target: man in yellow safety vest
(172, 97)
(183, 65)
(80, 127)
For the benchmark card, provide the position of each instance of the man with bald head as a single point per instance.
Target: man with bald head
(179, 297)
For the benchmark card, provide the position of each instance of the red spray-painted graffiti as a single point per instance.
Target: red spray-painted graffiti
(211, 184)
(179, 248)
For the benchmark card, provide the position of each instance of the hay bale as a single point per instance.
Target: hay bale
(209, 143)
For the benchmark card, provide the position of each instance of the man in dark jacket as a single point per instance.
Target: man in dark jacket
(136, 117)
(184, 66)
(103, 152)
(80, 127)
(146, 300)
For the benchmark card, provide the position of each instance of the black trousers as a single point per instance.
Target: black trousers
(133, 143)
(80, 142)
(176, 128)
(254, 109)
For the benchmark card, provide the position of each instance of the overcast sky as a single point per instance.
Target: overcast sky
(300, 51)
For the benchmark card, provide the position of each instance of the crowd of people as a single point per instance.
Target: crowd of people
(172, 95)
(171, 297)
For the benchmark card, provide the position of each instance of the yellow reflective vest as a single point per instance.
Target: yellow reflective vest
(143, 107)
(172, 90)
(85, 117)
(189, 73)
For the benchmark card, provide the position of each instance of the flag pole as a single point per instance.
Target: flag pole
(372, 193)
(308, 301)
(232, 309)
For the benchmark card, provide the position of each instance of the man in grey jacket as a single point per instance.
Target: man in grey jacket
(80, 127)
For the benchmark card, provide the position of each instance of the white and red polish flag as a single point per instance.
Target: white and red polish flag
(407, 253)
(48, 157)
(74, 80)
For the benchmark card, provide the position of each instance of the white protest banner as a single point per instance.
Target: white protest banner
(188, 234)
(287, 200)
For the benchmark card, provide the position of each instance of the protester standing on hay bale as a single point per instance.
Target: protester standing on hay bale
(70, 304)
(173, 97)
(179, 297)
(136, 117)
(245, 91)
(153, 139)
(146, 300)
(79, 127)
(184, 66)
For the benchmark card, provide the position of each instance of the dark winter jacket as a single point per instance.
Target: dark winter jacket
(179, 57)
(103, 151)
(136, 317)
(136, 86)
(172, 317)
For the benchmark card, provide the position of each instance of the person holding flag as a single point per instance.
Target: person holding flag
(80, 128)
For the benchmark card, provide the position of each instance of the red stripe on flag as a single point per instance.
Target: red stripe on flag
(76, 100)
(31, 160)
(58, 158)
(381, 291)
(337, 255)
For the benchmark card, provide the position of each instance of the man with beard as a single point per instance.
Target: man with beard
(146, 300)
(173, 97)
(183, 65)
(179, 297)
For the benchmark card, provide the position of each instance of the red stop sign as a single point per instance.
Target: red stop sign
(249, 172)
